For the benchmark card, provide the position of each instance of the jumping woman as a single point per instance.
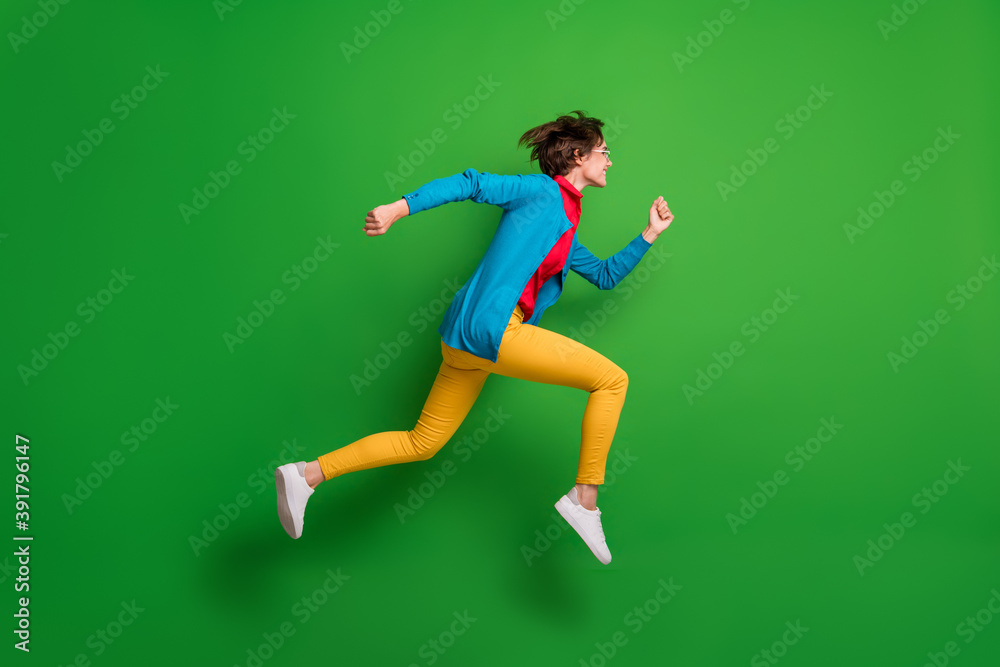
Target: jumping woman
(491, 324)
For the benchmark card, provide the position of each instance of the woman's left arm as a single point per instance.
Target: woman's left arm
(660, 218)
(607, 273)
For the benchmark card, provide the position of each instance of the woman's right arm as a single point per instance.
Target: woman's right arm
(380, 219)
(480, 187)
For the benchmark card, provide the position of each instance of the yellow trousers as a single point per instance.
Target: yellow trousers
(527, 352)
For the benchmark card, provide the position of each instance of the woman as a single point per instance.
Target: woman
(490, 325)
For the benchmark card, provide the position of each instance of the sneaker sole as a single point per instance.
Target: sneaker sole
(284, 514)
(563, 507)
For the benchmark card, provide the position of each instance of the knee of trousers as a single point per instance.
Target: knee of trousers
(616, 381)
(425, 448)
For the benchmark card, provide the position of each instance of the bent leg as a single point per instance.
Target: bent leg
(532, 353)
(451, 397)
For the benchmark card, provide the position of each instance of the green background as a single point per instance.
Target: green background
(679, 131)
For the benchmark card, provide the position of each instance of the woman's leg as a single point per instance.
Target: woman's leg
(532, 353)
(451, 397)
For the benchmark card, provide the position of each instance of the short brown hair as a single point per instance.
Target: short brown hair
(554, 144)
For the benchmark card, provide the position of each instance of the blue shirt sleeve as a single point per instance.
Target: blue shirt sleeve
(480, 187)
(606, 273)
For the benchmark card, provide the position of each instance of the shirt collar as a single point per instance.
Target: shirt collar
(568, 187)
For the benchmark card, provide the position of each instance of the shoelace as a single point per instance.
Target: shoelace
(596, 524)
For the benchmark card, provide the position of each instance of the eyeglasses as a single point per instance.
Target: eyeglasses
(607, 154)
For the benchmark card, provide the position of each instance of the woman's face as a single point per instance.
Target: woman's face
(595, 166)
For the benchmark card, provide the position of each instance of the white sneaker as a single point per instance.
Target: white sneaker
(293, 494)
(587, 524)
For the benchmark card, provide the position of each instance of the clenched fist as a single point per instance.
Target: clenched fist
(380, 219)
(660, 216)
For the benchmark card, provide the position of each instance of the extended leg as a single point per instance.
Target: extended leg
(449, 401)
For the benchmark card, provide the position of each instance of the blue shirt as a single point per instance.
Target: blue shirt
(532, 221)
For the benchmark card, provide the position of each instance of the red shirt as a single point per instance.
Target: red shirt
(556, 259)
